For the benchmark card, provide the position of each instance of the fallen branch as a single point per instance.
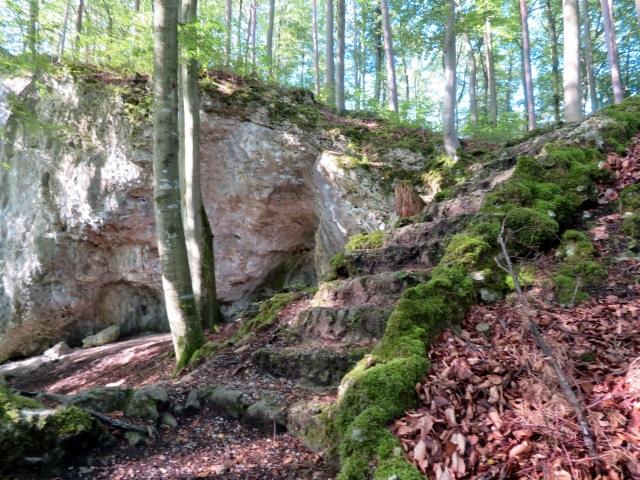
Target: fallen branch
(127, 427)
(548, 353)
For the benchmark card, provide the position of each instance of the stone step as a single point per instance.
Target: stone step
(345, 325)
(311, 367)
(370, 290)
(429, 230)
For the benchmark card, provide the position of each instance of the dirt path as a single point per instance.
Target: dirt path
(203, 445)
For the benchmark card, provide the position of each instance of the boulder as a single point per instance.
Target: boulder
(103, 337)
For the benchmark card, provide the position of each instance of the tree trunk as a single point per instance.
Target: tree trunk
(526, 63)
(388, 50)
(200, 258)
(272, 13)
(408, 202)
(316, 53)
(79, 13)
(136, 6)
(356, 57)
(239, 34)
(378, 61)
(491, 75)
(227, 31)
(450, 135)
(254, 23)
(571, 78)
(588, 57)
(555, 60)
(32, 28)
(340, 60)
(63, 36)
(473, 89)
(638, 12)
(185, 326)
(612, 51)
(329, 80)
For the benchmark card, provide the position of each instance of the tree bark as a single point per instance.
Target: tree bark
(571, 78)
(612, 51)
(239, 33)
(63, 36)
(272, 13)
(449, 133)
(555, 60)
(491, 75)
(316, 52)
(638, 12)
(388, 50)
(79, 12)
(184, 323)
(356, 57)
(32, 28)
(473, 89)
(200, 261)
(329, 80)
(526, 60)
(340, 59)
(408, 202)
(254, 23)
(378, 60)
(227, 31)
(588, 56)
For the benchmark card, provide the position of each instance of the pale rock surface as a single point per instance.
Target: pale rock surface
(56, 352)
(78, 250)
(108, 335)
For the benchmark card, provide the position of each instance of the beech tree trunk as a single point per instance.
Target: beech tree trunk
(32, 28)
(239, 33)
(388, 50)
(227, 31)
(473, 89)
(491, 75)
(272, 13)
(340, 59)
(450, 135)
(378, 62)
(79, 13)
(555, 60)
(201, 264)
(526, 60)
(571, 78)
(612, 51)
(588, 56)
(63, 35)
(356, 57)
(638, 12)
(254, 23)
(316, 53)
(185, 326)
(329, 80)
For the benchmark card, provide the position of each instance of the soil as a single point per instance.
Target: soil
(203, 445)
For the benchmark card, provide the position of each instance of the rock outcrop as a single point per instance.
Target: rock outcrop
(77, 236)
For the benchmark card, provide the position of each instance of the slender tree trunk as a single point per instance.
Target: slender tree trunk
(200, 259)
(491, 75)
(526, 63)
(356, 57)
(638, 12)
(272, 13)
(571, 78)
(239, 33)
(473, 90)
(316, 52)
(79, 13)
(378, 61)
(136, 6)
(388, 50)
(63, 36)
(227, 31)
(254, 23)
(329, 80)
(555, 60)
(32, 28)
(174, 264)
(450, 135)
(588, 57)
(340, 59)
(612, 51)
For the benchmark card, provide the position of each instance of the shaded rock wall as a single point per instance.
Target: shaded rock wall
(77, 237)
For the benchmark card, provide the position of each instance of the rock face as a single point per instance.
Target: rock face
(77, 238)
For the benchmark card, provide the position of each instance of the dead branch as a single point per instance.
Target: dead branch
(548, 353)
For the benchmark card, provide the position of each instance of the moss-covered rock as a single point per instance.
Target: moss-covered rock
(267, 313)
(366, 241)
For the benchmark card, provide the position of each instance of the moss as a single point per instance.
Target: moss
(567, 291)
(631, 225)
(628, 114)
(466, 251)
(366, 241)
(527, 275)
(530, 229)
(268, 313)
(341, 265)
(69, 422)
(630, 199)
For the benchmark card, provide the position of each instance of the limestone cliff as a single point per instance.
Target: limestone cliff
(77, 240)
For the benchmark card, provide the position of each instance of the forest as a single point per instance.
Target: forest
(389, 240)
